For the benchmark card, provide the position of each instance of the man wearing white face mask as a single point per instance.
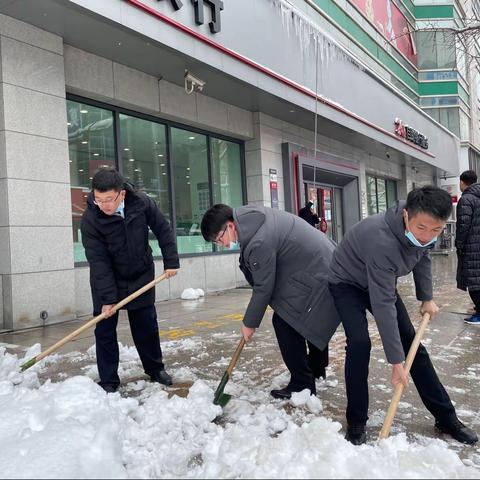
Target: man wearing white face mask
(286, 263)
(363, 276)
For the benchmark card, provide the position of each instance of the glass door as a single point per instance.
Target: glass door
(327, 201)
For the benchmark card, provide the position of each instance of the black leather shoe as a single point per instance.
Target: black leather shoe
(458, 431)
(108, 387)
(282, 394)
(356, 434)
(161, 377)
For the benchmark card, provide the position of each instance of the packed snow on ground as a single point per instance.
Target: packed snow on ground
(73, 429)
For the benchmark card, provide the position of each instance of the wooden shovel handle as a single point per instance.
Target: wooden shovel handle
(100, 317)
(397, 395)
(235, 356)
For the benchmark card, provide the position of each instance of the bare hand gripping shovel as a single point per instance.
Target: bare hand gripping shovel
(93, 321)
(221, 398)
(392, 409)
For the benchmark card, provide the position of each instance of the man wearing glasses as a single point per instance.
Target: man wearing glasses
(115, 227)
(286, 262)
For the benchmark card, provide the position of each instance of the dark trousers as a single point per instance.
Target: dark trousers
(303, 367)
(352, 304)
(144, 328)
(475, 296)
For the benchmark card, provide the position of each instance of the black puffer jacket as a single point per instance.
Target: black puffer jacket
(467, 239)
(118, 252)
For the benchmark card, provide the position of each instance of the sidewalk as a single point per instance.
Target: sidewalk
(203, 334)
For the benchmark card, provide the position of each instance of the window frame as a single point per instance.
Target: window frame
(168, 124)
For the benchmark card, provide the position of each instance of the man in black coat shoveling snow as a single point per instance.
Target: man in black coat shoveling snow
(115, 227)
(286, 262)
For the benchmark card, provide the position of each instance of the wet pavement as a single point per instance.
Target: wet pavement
(201, 335)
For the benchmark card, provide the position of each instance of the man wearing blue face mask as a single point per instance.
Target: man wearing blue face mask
(115, 228)
(363, 276)
(286, 263)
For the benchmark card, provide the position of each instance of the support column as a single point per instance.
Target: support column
(36, 263)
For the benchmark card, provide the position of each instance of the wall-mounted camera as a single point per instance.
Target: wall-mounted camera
(192, 83)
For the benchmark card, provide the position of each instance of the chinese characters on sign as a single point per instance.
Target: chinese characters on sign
(410, 134)
(216, 6)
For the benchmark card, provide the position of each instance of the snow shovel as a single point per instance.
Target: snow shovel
(90, 323)
(397, 395)
(221, 398)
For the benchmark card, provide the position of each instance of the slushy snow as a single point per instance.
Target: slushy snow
(73, 429)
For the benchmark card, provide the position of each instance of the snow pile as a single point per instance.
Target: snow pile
(192, 294)
(312, 402)
(73, 429)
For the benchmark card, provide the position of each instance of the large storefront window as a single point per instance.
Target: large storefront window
(206, 169)
(192, 189)
(144, 162)
(91, 145)
(381, 194)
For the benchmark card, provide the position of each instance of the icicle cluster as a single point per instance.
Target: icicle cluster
(296, 22)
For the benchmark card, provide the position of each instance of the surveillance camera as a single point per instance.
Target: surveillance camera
(193, 83)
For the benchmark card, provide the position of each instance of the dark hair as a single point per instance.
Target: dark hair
(431, 200)
(214, 220)
(108, 179)
(468, 177)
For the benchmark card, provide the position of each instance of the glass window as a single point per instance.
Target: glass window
(192, 189)
(381, 194)
(144, 163)
(448, 117)
(147, 159)
(435, 50)
(372, 195)
(91, 145)
(391, 193)
(226, 173)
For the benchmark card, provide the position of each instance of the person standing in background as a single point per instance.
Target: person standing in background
(467, 241)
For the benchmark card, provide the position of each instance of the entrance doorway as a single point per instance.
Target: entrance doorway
(327, 202)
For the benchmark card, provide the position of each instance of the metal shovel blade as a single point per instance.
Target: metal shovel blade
(221, 398)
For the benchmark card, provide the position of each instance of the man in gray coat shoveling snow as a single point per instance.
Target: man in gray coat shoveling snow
(286, 262)
(363, 276)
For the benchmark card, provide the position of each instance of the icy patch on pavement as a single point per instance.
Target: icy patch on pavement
(73, 429)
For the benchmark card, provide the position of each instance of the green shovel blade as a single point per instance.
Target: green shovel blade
(28, 364)
(221, 398)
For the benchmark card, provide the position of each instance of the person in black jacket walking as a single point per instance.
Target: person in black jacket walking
(467, 241)
(307, 214)
(115, 227)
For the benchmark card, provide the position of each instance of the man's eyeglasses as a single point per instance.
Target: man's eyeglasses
(217, 241)
(108, 201)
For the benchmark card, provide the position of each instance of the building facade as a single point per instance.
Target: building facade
(270, 102)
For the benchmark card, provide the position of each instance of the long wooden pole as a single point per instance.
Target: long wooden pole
(90, 323)
(397, 395)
